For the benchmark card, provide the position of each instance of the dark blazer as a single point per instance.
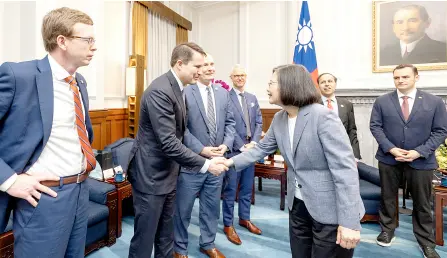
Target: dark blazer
(426, 51)
(346, 114)
(254, 112)
(424, 131)
(158, 151)
(197, 135)
(26, 116)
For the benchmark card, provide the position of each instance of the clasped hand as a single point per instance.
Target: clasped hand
(219, 165)
(404, 155)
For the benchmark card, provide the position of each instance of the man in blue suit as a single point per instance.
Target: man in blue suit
(210, 133)
(247, 115)
(45, 137)
(408, 124)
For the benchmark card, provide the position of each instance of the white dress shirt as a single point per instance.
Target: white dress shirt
(408, 47)
(411, 96)
(292, 122)
(207, 164)
(62, 155)
(333, 102)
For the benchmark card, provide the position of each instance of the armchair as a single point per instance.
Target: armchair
(369, 191)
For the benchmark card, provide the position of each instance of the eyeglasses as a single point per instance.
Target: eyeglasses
(90, 41)
(237, 76)
(270, 83)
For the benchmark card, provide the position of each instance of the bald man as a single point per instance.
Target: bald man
(247, 115)
(210, 133)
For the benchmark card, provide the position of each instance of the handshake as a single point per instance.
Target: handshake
(219, 165)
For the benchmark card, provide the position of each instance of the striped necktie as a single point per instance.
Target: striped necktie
(80, 125)
(211, 117)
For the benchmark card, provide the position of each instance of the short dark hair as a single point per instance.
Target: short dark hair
(296, 87)
(185, 52)
(402, 66)
(422, 11)
(319, 76)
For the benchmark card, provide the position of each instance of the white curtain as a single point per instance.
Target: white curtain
(161, 42)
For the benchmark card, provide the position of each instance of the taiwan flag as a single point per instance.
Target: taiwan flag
(304, 45)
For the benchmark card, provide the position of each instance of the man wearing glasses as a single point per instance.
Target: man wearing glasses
(45, 141)
(247, 115)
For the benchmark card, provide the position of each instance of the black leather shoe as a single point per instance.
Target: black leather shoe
(385, 238)
(429, 252)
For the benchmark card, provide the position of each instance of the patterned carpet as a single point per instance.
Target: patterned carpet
(274, 242)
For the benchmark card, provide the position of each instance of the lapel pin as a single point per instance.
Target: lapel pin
(420, 97)
(82, 81)
(342, 106)
(252, 104)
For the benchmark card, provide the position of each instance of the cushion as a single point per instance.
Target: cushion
(98, 190)
(120, 151)
(368, 173)
(371, 207)
(369, 191)
(96, 213)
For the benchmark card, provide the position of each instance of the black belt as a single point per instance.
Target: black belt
(79, 178)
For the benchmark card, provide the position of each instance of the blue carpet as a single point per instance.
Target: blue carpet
(274, 242)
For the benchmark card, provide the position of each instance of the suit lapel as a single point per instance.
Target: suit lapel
(218, 103)
(342, 114)
(83, 89)
(395, 101)
(199, 101)
(417, 105)
(44, 83)
(301, 122)
(236, 102)
(177, 93)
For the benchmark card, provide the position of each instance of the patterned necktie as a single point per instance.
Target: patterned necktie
(211, 117)
(246, 116)
(80, 125)
(329, 104)
(405, 107)
(406, 53)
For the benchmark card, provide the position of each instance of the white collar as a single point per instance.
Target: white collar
(411, 95)
(237, 91)
(324, 98)
(180, 84)
(58, 71)
(408, 47)
(201, 85)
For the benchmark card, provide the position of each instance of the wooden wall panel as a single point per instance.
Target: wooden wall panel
(109, 125)
(267, 117)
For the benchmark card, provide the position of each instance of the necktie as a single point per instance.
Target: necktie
(329, 104)
(405, 108)
(211, 117)
(246, 116)
(406, 53)
(80, 124)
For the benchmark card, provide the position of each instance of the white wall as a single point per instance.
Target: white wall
(20, 24)
(261, 35)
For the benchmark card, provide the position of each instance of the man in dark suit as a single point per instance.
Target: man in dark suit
(158, 152)
(414, 46)
(210, 133)
(342, 107)
(45, 137)
(408, 124)
(248, 117)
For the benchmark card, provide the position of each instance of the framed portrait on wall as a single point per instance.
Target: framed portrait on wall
(409, 32)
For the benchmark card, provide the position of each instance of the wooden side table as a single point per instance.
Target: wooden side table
(275, 171)
(440, 201)
(124, 190)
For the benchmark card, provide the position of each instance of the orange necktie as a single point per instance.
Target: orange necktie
(329, 104)
(80, 124)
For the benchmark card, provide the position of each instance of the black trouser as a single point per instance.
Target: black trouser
(153, 226)
(419, 184)
(309, 238)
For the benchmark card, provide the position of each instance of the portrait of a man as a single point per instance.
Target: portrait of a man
(405, 32)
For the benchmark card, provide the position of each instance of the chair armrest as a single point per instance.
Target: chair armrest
(99, 190)
(368, 173)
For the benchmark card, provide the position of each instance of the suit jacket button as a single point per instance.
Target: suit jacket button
(299, 186)
(405, 127)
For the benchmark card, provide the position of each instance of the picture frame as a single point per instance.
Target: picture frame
(419, 26)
